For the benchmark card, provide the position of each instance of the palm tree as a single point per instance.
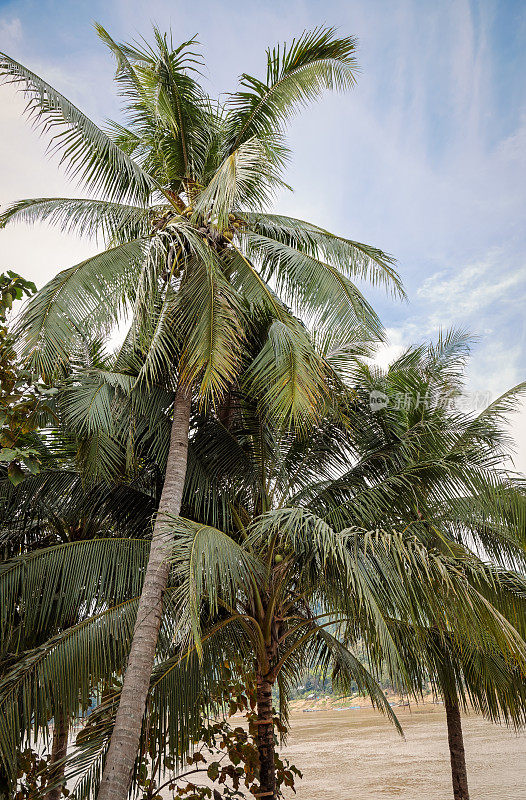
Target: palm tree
(443, 473)
(467, 498)
(53, 523)
(304, 593)
(424, 466)
(66, 502)
(257, 467)
(190, 254)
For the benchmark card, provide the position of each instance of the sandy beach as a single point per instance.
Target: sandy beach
(357, 755)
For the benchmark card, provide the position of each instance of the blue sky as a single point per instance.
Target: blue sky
(426, 158)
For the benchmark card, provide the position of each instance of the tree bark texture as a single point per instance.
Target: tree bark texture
(125, 739)
(459, 773)
(266, 745)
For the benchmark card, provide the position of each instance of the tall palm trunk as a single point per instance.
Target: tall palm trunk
(59, 750)
(456, 748)
(266, 745)
(124, 743)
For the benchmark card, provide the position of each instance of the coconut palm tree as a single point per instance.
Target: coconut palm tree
(257, 467)
(428, 469)
(467, 677)
(425, 466)
(305, 617)
(300, 590)
(190, 252)
(442, 472)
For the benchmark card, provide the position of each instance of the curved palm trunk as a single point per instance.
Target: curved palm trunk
(456, 749)
(124, 743)
(59, 750)
(266, 745)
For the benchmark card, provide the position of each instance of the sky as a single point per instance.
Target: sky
(425, 158)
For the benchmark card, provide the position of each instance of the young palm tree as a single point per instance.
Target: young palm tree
(443, 473)
(419, 467)
(424, 466)
(191, 253)
(300, 590)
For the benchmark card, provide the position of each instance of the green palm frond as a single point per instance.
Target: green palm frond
(217, 466)
(87, 406)
(98, 290)
(115, 222)
(48, 508)
(246, 176)
(317, 290)
(490, 424)
(62, 674)
(214, 319)
(354, 259)
(343, 351)
(245, 278)
(483, 678)
(208, 565)
(88, 154)
(348, 670)
(49, 588)
(287, 377)
(445, 360)
(178, 97)
(159, 82)
(296, 74)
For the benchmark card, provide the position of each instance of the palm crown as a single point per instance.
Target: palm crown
(191, 250)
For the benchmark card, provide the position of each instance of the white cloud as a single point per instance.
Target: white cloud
(40, 251)
(10, 32)
(473, 288)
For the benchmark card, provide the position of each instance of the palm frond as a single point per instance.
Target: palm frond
(317, 290)
(213, 317)
(354, 259)
(61, 674)
(208, 566)
(88, 154)
(348, 670)
(97, 290)
(112, 221)
(246, 176)
(296, 74)
(287, 377)
(47, 589)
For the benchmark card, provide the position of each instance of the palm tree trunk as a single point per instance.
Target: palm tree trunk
(266, 746)
(126, 734)
(456, 749)
(59, 750)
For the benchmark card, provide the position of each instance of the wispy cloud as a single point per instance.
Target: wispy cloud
(468, 293)
(10, 31)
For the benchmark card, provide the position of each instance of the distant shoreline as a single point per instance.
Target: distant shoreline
(357, 702)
